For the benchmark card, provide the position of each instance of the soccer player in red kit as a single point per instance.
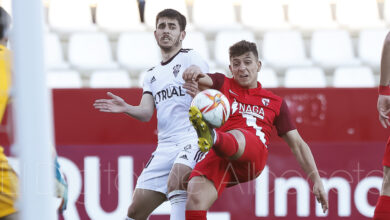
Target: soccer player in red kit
(382, 210)
(238, 150)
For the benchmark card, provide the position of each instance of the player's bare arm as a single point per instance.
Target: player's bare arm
(143, 112)
(195, 80)
(305, 159)
(383, 104)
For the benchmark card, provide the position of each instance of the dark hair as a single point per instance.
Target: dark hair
(5, 21)
(242, 47)
(173, 14)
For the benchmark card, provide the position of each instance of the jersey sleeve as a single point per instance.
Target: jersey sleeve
(283, 122)
(218, 80)
(197, 60)
(146, 84)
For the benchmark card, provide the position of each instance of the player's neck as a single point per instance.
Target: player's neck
(167, 55)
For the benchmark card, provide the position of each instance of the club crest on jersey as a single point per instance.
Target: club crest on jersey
(253, 110)
(176, 69)
(265, 101)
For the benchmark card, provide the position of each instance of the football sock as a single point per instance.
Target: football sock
(382, 210)
(226, 144)
(196, 215)
(178, 199)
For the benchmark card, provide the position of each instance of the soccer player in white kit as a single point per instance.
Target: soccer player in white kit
(166, 173)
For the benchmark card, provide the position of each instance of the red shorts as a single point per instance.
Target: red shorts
(224, 173)
(386, 158)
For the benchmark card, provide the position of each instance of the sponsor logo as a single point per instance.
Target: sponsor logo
(233, 92)
(168, 93)
(253, 110)
(184, 156)
(153, 79)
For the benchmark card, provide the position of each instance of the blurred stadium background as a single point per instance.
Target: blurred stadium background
(302, 43)
(322, 56)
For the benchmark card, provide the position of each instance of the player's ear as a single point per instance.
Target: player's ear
(259, 64)
(183, 35)
(155, 35)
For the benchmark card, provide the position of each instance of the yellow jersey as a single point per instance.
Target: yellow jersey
(5, 79)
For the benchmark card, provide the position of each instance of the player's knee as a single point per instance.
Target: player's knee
(194, 201)
(135, 213)
(178, 178)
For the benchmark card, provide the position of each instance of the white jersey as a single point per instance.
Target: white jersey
(165, 83)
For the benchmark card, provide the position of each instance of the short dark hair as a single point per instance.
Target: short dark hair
(242, 47)
(173, 14)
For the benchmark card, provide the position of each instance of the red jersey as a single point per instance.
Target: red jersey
(255, 110)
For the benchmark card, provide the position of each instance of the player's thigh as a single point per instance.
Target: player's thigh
(201, 193)
(178, 177)
(386, 181)
(144, 202)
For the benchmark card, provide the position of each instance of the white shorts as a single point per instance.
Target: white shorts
(155, 174)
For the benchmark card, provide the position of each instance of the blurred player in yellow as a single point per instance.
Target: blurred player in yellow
(382, 210)
(8, 178)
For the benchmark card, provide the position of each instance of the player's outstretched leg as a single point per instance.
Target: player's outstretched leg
(382, 210)
(205, 133)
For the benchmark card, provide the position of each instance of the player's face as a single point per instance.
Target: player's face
(168, 34)
(245, 69)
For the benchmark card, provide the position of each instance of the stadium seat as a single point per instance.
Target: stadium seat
(224, 40)
(312, 77)
(331, 49)
(353, 77)
(7, 6)
(70, 16)
(282, 49)
(90, 51)
(358, 14)
(138, 51)
(370, 46)
(386, 11)
(118, 15)
(197, 41)
(214, 16)
(110, 79)
(263, 15)
(310, 15)
(54, 55)
(268, 78)
(153, 7)
(64, 79)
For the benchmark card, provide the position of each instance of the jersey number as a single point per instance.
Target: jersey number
(251, 121)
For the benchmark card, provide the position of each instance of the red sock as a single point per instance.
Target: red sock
(382, 210)
(226, 144)
(196, 215)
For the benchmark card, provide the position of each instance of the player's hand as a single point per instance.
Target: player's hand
(61, 187)
(191, 88)
(383, 107)
(319, 192)
(193, 73)
(114, 105)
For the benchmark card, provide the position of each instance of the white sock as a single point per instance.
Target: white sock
(178, 199)
(127, 218)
